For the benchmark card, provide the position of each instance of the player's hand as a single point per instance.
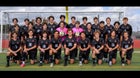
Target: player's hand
(43, 50)
(67, 49)
(110, 49)
(124, 50)
(25, 50)
(14, 53)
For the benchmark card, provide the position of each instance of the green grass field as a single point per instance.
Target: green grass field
(135, 66)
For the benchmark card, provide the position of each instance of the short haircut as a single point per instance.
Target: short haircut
(73, 17)
(97, 31)
(30, 23)
(108, 18)
(95, 18)
(15, 19)
(38, 18)
(84, 18)
(51, 17)
(125, 18)
(77, 22)
(102, 22)
(62, 16)
(26, 19)
(116, 22)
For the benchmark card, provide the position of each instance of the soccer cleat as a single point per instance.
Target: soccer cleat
(51, 65)
(110, 63)
(123, 64)
(80, 63)
(40, 64)
(22, 65)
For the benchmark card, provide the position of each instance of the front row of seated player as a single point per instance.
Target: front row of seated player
(49, 48)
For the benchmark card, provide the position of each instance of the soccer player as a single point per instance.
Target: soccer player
(29, 48)
(69, 47)
(43, 46)
(95, 26)
(25, 28)
(126, 48)
(62, 18)
(45, 27)
(89, 31)
(84, 46)
(97, 46)
(55, 49)
(117, 29)
(62, 31)
(14, 48)
(83, 26)
(112, 44)
(72, 24)
(108, 29)
(51, 26)
(76, 31)
(126, 27)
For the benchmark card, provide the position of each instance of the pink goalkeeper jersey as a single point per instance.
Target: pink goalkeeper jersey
(62, 32)
(77, 32)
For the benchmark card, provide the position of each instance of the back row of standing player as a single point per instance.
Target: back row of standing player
(50, 37)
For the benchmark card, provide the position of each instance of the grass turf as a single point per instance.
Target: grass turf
(135, 66)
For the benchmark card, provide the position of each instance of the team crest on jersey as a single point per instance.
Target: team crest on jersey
(72, 40)
(32, 40)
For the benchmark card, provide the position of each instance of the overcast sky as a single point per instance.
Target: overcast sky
(133, 13)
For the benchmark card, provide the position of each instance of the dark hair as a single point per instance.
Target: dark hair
(102, 22)
(13, 33)
(16, 25)
(26, 19)
(82, 32)
(70, 30)
(31, 30)
(108, 18)
(113, 31)
(44, 23)
(56, 31)
(51, 17)
(44, 32)
(95, 18)
(62, 16)
(125, 18)
(73, 17)
(61, 22)
(77, 22)
(89, 23)
(38, 18)
(125, 32)
(15, 19)
(30, 23)
(84, 18)
(116, 23)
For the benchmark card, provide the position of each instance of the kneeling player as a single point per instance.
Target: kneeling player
(69, 46)
(112, 44)
(84, 46)
(55, 48)
(97, 48)
(29, 48)
(43, 46)
(126, 48)
(14, 49)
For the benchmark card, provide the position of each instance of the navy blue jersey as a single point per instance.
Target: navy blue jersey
(70, 42)
(84, 43)
(95, 27)
(126, 43)
(89, 34)
(71, 26)
(52, 28)
(112, 42)
(127, 28)
(43, 43)
(108, 29)
(84, 27)
(97, 44)
(55, 42)
(14, 44)
(30, 42)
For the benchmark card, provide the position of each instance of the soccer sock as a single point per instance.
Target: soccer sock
(110, 56)
(66, 58)
(8, 59)
(80, 57)
(41, 57)
(122, 59)
(93, 60)
(51, 58)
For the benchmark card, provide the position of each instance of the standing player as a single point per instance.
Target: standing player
(89, 31)
(45, 27)
(108, 29)
(62, 31)
(117, 29)
(51, 26)
(69, 46)
(76, 31)
(14, 49)
(43, 46)
(29, 48)
(84, 46)
(112, 44)
(72, 24)
(62, 18)
(95, 26)
(126, 27)
(126, 48)
(97, 46)
(55, 48)
(83, 26)
(25, 28)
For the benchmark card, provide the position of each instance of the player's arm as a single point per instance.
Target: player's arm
(60, 45)
(130, 46)
(80, 47)
(35, 45)
(73, 47)
(116, 45)
(88, 47)
(101, 46)
(18, 49)
(107, 44)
